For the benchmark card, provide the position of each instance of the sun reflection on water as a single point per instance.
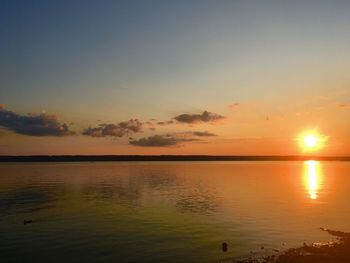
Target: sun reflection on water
(313, 178)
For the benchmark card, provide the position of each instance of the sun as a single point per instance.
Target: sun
(311, 140)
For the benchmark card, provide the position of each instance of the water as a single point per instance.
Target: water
(167, 211)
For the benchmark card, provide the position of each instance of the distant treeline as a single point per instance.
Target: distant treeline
(151, 158)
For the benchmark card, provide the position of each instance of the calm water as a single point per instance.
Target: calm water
(167, 212)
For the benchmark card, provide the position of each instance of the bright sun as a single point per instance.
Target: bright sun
(311, 140)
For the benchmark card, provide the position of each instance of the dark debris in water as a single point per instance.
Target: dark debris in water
(331, 252)
(27, 222)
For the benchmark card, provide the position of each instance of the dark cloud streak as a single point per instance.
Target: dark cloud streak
(163, 123)
(203, 134)
(160, 141)
(206, 116)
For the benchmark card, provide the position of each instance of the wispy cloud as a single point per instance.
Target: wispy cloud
(171, 139)
(344, 105)
(163, 123)
(120, 129)
(193, 134)
(33, 125)
(206, 116)
(234, 105)
(161, 141)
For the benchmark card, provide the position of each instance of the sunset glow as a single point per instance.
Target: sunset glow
(174, 78)
(311, 141)
(174, 131)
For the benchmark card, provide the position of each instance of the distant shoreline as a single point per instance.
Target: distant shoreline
(168, 158)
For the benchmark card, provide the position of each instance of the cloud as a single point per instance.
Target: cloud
(203, 133)
(171, 139)
(33, 125)
(160, 141)
(163, 123)
(344, 105)
(234, 105)
(187, 134)
(206, 116)
(115, 130)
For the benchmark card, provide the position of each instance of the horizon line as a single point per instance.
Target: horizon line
(91, 158)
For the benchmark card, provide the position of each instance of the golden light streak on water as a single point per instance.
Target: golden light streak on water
(313, 178)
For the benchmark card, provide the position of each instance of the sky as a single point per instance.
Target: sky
(174, 77)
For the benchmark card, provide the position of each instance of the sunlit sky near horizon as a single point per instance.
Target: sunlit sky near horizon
(174, 77)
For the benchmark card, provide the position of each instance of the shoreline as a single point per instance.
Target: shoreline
(331, 252)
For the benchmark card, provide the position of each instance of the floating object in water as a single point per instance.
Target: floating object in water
(27, 222)
(224, 247)
(262, 247)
